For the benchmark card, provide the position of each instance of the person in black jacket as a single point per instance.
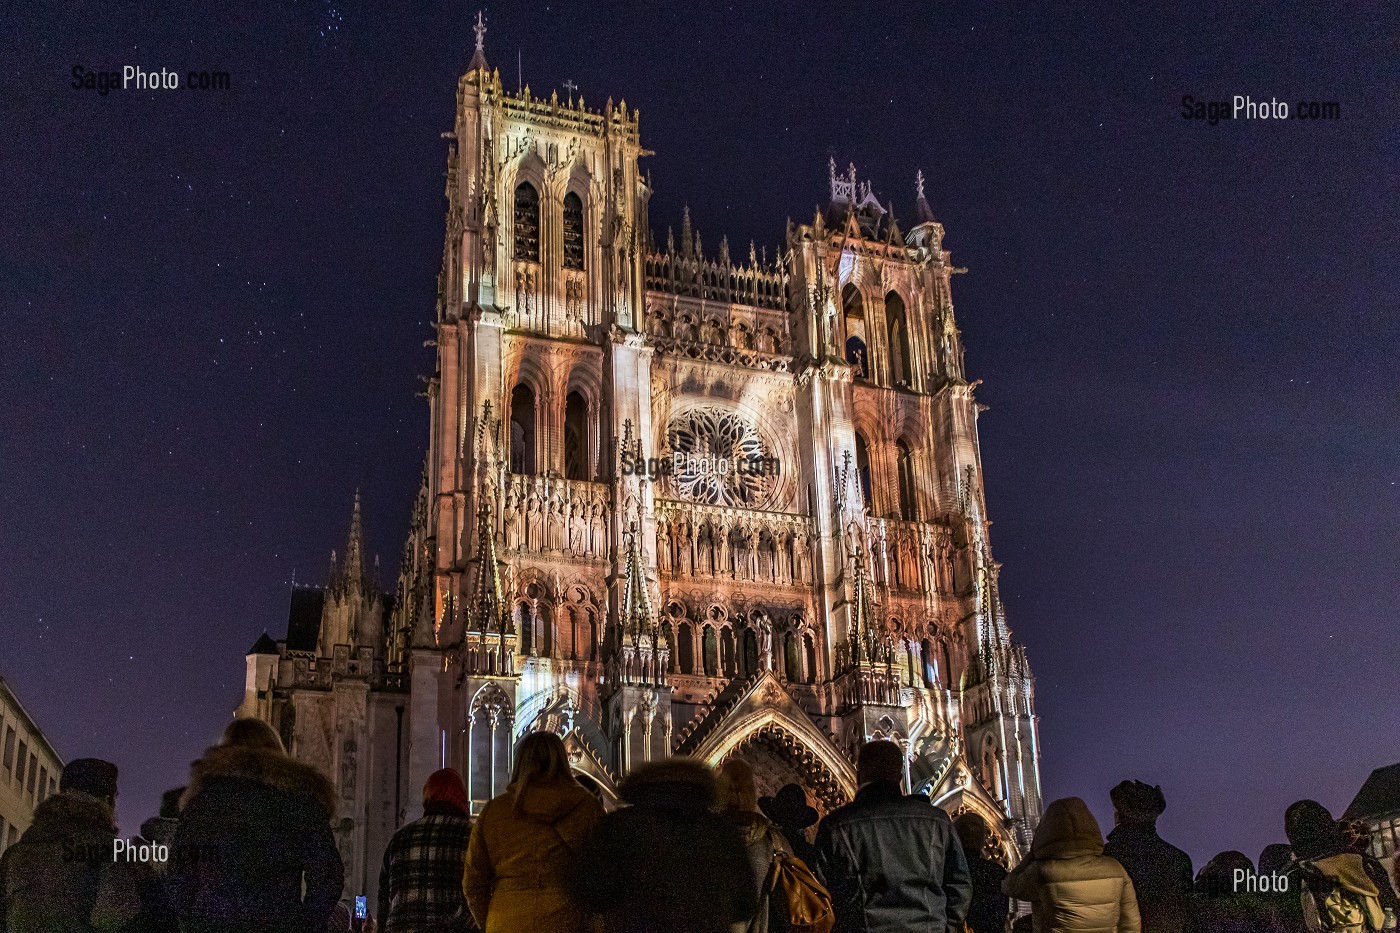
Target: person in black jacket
(62, 875)
(892, 862)
(667, 862)
(254, 833)
(1160, 871)
(989, 908)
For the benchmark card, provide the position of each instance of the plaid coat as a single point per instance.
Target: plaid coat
(420, 885)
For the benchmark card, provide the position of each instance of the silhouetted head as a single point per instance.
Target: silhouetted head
(91, 776)
(737, 790)
(1274, 858)
(1136, 802)
(880, 762)
(1217, 877)
(973, 833)
(170, 803)
(677, 783)
(789, 808)
(252, 733)
(1311, 830)
(444, 793)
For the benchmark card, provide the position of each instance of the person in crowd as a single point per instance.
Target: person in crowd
(987, 913)
(790, 812)
(667, 861)
(420, 883)
(1160, 871)
(1356, 837)
(61, 876)
(1280, 910)
(1218, 903)
(254, 851)
(525, 841)
(160, 829)
(1334, 892)
(890, 861)
(1072, 886)
(738, 803)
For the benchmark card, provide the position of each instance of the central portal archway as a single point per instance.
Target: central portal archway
(778, 757)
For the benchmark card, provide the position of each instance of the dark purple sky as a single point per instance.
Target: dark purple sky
(213, 307)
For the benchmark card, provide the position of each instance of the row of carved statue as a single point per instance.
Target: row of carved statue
(746, 550)
(549, 515)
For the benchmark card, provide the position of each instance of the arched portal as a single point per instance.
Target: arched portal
(778, 757)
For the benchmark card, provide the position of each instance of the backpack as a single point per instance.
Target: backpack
(1338, 909)
(808, 904)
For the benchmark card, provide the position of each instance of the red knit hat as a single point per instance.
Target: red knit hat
(446, 787)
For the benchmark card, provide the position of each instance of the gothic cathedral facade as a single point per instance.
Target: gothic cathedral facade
(675, 502)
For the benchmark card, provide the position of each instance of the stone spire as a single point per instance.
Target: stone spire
(485, 603)
(862, 612)
(636, 602)
(479, 58)
(922, 212)
(351, 571)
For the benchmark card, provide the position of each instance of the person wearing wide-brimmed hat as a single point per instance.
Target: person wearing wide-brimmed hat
(789, 811)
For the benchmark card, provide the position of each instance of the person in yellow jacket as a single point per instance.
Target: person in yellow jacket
(524, 844)
(1071, 885)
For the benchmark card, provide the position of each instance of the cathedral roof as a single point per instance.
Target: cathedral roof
(1379, 796)
(304, 618)
(264, 645)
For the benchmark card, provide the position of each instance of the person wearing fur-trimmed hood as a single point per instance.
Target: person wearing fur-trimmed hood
(254, 851)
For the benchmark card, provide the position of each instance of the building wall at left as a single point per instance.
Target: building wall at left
(29, 767)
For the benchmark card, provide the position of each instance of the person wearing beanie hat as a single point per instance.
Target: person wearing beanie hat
(1162, 874)
(420, 883)
(61, 876)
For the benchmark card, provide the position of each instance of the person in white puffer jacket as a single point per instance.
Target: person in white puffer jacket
(1071, 885)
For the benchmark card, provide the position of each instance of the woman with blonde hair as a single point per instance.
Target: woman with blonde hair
(524, 843)
(738, 804)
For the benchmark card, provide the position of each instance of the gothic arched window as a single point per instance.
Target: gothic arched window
(710, 648)
(576, 454)
(853, 314)
(522, 430)
(525, 625)
(863, 468)
(908, 507)
(901, 366)
(527, 222)
(488, 745)
(685, 648)
(792, 656)
(930, 663)
(573, 231)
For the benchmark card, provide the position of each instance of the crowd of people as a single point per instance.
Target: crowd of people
(248, 847)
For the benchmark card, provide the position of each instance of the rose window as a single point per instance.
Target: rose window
(718, 458)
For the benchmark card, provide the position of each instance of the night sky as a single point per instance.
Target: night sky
(213, 308)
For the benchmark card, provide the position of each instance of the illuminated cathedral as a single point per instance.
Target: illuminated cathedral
(845, 591)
